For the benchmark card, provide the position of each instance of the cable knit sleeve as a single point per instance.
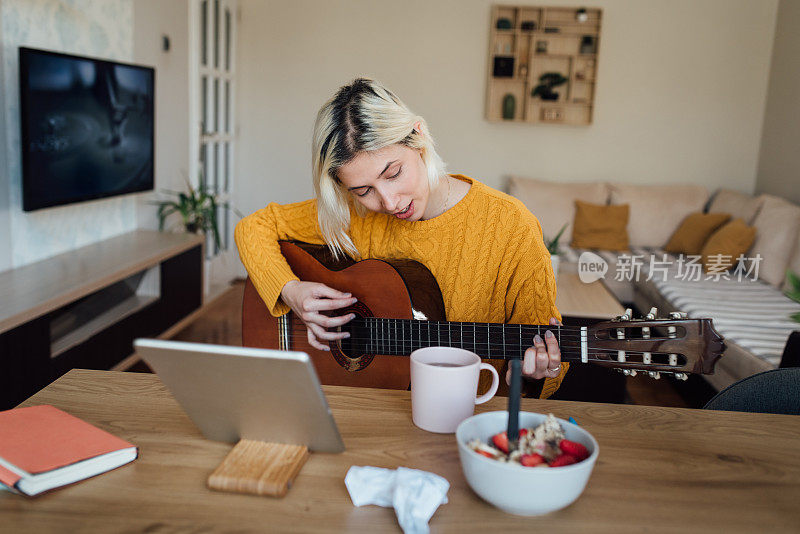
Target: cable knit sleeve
(531, 293)
(257, 237)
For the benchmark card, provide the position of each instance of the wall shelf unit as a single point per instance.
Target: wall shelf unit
(528, 42)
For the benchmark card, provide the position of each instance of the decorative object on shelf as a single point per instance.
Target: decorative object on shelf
(503, 67)
(581, 15)
(587, 45)
(547, 82)
(197, 208)
(504, 23)
(528, 26)
(541, 47)
(552, 248)
(523, 71)
(793, 292)
(509, 105)
(552, 115)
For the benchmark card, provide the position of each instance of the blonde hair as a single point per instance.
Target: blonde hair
(361, 117)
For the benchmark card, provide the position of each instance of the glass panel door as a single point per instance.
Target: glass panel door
(213, 61)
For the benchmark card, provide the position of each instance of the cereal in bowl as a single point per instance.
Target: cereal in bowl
(543, 446)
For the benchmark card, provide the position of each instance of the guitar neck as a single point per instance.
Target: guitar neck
(400, 337)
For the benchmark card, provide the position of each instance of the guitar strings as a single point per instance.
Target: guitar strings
(387, 334)
(396, 345)
(490, 328)
(526, 333)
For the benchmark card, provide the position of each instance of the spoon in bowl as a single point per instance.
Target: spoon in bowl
(515, 390)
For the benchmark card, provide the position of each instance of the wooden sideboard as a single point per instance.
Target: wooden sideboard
(83, 308)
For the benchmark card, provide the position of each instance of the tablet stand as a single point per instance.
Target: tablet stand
(260, 468)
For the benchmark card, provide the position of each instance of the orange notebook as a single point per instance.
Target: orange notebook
(42, 447)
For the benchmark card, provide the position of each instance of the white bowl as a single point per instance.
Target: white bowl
(514, 488)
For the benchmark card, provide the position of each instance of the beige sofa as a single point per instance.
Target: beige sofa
(752, 315)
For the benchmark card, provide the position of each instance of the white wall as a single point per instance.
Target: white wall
(680, 94)
(152, 20)
(779, 161)
(100, 28)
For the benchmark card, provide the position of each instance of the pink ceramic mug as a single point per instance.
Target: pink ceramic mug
(444, 382)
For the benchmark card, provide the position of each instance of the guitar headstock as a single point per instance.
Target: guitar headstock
(674, 345)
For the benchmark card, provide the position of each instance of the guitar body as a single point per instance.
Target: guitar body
(383, 289)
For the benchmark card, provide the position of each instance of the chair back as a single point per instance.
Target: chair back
(775, 391)
(791, 352)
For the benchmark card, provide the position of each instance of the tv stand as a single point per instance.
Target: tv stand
(85, 307)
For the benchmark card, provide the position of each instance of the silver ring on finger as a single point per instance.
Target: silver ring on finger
(555, 370)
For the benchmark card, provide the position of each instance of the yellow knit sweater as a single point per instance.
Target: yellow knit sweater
(486, 253)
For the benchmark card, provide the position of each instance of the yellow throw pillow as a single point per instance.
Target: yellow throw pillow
(726, 244)
(599, 226)
(694, 231)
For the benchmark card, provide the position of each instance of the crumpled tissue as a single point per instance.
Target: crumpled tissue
(414, 494)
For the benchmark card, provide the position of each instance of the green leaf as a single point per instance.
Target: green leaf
(552, 245)
(794, 282)
(198, 208)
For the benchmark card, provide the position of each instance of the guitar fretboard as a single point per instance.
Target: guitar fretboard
(489, 340)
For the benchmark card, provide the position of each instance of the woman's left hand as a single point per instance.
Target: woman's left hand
(543, 359)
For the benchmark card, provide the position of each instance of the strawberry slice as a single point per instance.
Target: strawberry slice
(564, 459)
(531, 460)
(485, 453)
(501, 441)
(574, 449)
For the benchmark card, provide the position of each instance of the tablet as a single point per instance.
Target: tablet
(234, 393)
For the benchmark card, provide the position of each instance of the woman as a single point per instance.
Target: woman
(382, 192)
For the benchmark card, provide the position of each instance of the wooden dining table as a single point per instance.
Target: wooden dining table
(659, 469)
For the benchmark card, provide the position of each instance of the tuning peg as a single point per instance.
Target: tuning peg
(678, 315)
(654, 374)
(651, 316)
(633, 372)
(626, 316)
(681, 376)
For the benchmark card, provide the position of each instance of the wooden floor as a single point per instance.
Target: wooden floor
(220, 322)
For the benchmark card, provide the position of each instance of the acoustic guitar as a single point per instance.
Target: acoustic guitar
(400, 309)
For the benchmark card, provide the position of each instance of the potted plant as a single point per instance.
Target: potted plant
(552, 248)
(547, 82)
(197, 208)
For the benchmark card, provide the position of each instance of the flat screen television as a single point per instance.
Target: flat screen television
(87, 128)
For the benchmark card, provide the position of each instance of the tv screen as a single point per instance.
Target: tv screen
(87, 128)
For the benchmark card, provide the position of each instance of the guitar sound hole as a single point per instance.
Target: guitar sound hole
(348, 345)
(355, 346)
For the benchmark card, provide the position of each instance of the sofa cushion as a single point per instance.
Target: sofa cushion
(694, 231)
(725, 245)
(554, 203)
(657, 210)
(777, 225)
(736, 203)
(601, 227)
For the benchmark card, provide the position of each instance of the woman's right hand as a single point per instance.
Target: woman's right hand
(308, 299)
